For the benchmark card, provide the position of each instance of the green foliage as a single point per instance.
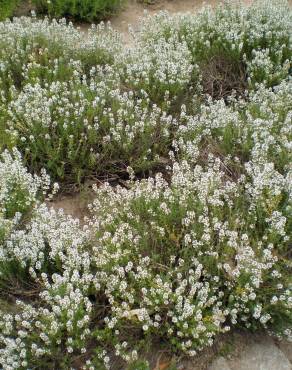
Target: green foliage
(139, 365)
(7, 8)
(19, 190)
(86, 10)
(86, 142)
(44, 52)
(4, 138)
(84, 107)
(255, 38)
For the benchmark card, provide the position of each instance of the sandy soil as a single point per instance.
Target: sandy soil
(75, 205)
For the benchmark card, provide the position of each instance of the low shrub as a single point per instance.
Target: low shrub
(40, 51)
(170, 68)
(20, 193)
(256, 130)
(255, 38)
(85, 10)
(78, 130)
(183, 260)
(163, 70)
(19, 190)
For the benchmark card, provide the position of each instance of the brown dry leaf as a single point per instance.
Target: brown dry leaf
(162, 365)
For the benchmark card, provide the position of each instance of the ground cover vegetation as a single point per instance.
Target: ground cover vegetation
(80, 10)
(86, 10)
(7, 8)
(197, 116)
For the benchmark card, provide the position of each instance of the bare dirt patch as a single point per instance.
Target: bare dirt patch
(75, 205)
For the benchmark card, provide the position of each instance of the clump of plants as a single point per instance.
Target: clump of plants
(184, 259)
(83, 129)
(45, 51)
(196, 249)
(235, 46)
(106, 108)
(88, 10)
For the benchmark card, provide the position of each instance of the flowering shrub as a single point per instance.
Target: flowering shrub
(184, 255)
(82, 106)
(183, 260)
(43, 51)
(81, 9)
(48, 247)
(79, 129)
(19, 190)
(256, 131)
(256, 39)
(163, 70)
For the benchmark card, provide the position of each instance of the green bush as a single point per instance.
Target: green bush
(232, 43)
(78, 133)
(43, 52)
(86, 10)
(116, 112)
(7, 8)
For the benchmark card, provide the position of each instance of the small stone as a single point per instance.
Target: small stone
(286, 348)
(262, 355)
(219, 364)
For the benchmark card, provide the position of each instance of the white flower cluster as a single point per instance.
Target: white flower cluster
(162, 69)
(81, 101)
(87, 126)
(179, 259)
(260, 126)
(258, 35)
(47, 249)
(184, 259)
(23, 37)
(19, 189)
